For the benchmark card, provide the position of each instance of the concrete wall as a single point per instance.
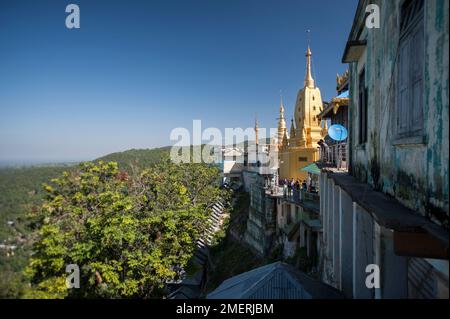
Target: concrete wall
(326, 217)
(416, 174)
(394, 283)
(330, 213)
(336, 236)
(363, 251)
(346, 243)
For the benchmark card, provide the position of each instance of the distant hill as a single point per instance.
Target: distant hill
(138, 158)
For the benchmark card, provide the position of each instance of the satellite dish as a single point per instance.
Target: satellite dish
(337, 132)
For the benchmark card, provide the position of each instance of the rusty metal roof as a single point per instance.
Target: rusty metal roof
(274, 281)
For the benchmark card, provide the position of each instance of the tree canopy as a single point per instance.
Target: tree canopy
(128, 233)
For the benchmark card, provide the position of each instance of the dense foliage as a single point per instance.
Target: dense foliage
(128, 233)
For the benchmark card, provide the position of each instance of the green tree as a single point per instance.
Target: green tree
(129, 234)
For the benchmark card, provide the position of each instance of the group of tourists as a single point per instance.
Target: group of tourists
(289, 186)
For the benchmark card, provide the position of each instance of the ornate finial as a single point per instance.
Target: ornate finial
(281, 103)
(308, 37)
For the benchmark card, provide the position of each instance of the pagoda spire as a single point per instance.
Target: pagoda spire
(309, 81)
(256, 131)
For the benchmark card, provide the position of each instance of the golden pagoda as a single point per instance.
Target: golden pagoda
(301, 149)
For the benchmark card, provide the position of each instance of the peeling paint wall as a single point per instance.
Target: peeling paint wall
(415, 174)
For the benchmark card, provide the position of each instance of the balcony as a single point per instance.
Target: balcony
(334, 155)
(306, 199)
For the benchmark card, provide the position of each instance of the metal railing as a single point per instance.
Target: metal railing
(301, 196)
(334, 155)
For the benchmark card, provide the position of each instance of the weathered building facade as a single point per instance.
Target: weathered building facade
(298, 224)
(403, 148)
(391, 208)
(261, 223)
(257, 177)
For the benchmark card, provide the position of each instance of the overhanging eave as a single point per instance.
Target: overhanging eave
(354, 50)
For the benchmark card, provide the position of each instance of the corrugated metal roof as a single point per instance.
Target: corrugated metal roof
(273, 281)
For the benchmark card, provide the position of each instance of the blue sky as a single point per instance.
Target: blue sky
(137, 69)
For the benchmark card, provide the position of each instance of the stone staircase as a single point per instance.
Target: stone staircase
(190, 286)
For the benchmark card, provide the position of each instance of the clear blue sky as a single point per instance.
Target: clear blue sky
(137, 69)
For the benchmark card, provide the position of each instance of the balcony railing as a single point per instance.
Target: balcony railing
(334, 155)
(302, 197)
